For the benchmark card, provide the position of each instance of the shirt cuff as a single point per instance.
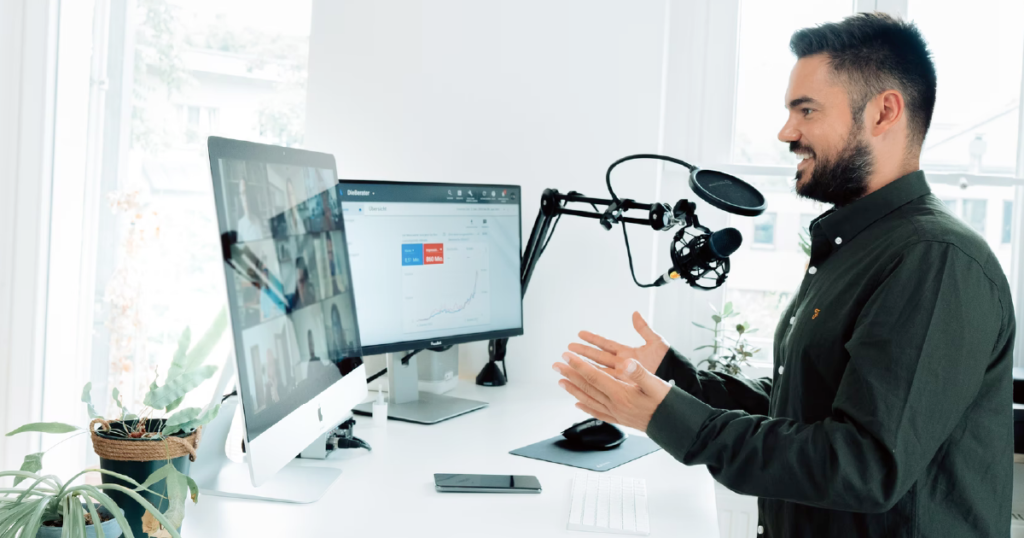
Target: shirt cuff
(667, 368)
(677, 421)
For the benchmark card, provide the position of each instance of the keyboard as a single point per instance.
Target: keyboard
(612, 504)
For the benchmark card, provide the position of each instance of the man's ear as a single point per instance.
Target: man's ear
(884, 112)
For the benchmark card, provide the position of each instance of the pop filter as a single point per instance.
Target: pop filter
(728, 193)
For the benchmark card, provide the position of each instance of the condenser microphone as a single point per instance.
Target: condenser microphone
(703, 255)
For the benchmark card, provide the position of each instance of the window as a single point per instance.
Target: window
(764, 229)
(234, 68)
(969, 133)
(974, 215)
(951, 206)
(805, 221)
(1007, 221)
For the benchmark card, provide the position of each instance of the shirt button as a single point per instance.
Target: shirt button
(760, 529)
(839, 240)
(812, 270)
(792, 320)
(781, 368)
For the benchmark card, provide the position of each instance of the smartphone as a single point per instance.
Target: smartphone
(486, 483)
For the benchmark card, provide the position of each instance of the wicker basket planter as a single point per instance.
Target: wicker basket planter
(138, 458)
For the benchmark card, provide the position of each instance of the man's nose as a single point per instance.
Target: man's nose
(789, 133)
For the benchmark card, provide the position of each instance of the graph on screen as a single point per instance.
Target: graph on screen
(445, 286)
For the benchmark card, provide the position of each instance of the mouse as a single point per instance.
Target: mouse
(594, 434)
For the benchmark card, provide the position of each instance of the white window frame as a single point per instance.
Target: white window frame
(28, 36)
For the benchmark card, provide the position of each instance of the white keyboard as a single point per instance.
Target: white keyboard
(613, 504)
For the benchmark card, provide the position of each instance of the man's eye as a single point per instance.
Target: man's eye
(806, 111)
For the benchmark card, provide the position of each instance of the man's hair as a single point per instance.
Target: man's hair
(874, 52)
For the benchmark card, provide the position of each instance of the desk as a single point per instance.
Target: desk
(390, 491)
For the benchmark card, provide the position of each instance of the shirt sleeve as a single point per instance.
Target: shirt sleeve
(722, 391)
(918, 353)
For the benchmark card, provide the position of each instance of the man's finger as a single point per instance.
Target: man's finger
(645, 330)
(639, 375)
(595, 413)
(601, 357)
(577, 379)
(610, 346)
(582, 396)
(600, 380)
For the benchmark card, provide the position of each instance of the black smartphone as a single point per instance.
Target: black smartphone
(486, 483)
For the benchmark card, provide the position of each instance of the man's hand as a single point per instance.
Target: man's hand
(613, 354)
(626, 395)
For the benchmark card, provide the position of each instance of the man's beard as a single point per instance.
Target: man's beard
(839, 180)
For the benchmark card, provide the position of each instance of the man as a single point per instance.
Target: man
(888, 409)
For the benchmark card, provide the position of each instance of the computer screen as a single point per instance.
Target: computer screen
(290, 293)
(433, 264)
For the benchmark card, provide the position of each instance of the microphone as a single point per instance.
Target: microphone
(704, 254)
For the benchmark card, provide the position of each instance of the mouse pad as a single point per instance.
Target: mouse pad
(557, 450)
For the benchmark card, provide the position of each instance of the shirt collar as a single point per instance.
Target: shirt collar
(844, 223)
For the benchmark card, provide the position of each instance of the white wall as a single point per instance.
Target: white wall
(529, 92)
(26, 118)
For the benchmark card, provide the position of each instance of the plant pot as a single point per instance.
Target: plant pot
(139, 458)
(110, 528)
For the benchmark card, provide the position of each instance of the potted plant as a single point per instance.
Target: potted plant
(49, 508)
(728, 353)
(141, 448)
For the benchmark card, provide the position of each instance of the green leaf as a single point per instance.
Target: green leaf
(717, 318)
(174, 405)
(728, 309)
(161, 397)
(87, 399)
(706, 346)
(33, 463)
(95, 518)
(177, 491)
(193, 489)
(751, 331)
(44, 427)
(701, 326)
(192, 424)
(198, 354)
(740, 328)
(176, 420)
(155, 477)
(116, 395)
(178, 363)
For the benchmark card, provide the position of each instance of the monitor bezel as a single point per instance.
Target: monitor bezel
(277, 445)
(412, 345)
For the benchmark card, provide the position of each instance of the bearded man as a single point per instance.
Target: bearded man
(888, 409)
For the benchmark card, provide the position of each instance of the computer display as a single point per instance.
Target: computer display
(291, 299)
(434, 264)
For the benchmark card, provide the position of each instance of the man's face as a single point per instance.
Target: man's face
(836, 159)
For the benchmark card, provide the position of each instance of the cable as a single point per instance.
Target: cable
(376, 375)
(608, 174)
(629, 255)
(405, 360)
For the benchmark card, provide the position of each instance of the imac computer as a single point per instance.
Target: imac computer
(293, 317)
(433, 264)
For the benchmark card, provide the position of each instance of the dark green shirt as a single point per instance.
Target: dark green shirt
(888, 412)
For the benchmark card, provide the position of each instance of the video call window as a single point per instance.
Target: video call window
(291, 292)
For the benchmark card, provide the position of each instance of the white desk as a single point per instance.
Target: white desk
(390, 491)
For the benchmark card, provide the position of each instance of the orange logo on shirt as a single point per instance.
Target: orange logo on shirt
(816, 312)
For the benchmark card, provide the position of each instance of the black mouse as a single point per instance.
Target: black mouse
(594, 434)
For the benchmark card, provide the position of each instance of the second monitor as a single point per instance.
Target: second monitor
(433, 265)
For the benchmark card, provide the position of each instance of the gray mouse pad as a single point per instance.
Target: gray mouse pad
(556, 450)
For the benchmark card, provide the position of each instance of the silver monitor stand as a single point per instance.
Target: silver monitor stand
(218, 475)
(406, 402)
